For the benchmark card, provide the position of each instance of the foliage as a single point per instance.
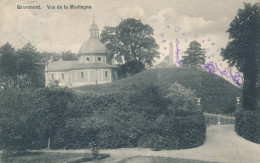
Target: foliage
(248, 125)
(17, 129)
(68, 56)
(132, 44)
(29, 70)
(139, 117)
(29, 117)
(8, 66)
(195, 55)
(216, 93)
(21, 68)
(243, 50)
(181, 97)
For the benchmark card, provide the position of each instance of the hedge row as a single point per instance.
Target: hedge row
(141, 118)
(248, 125)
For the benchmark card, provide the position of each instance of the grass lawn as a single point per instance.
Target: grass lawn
(157, 159)
(48, 157)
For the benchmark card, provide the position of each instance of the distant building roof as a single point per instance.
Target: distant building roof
(74, 65)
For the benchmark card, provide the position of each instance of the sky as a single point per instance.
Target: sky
(58, 30)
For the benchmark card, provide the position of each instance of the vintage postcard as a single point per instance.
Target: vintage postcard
(129, 81)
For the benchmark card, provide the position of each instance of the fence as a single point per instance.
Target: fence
(217, 119)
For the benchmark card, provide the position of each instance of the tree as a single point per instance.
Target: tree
(30, 70)
(68, 56)
(132, 44)
(243, 50)
(8, 66)
(195, 55)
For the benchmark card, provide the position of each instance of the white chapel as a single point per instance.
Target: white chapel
(94, 65)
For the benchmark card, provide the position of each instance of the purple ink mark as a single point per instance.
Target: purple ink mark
(203, 41)
(180, 64)
(210, 67)
(208, 57)
(183, 34)
(165, 48)
(212, 43)
(163, 41)
(213, 55)
(237, 78)
(209, 39)
(177, 29)
(186, 40)
(163, 54)
(220, 64)
(177, 53)
(162, 34)
(168, 26)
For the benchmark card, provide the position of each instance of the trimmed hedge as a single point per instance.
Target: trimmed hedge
(143, 117)
(248, 125)
(184, 129)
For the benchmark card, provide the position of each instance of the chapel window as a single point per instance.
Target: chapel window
(82, 75)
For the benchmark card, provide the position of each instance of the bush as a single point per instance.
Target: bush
(28, 117)
(248, 125)
(143, 117)
(177, 132)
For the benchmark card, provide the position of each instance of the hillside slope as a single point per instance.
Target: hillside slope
(216, 93)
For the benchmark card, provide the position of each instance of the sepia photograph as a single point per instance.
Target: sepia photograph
(129, 81)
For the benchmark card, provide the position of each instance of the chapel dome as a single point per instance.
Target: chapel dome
(93, 44)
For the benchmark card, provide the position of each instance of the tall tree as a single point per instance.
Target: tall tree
(30, 70)
(195, 56)
(132, 44)
(8, 66)
(243, 50)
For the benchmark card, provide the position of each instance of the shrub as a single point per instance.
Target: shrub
(248, 125)
(186, 129)
(181, 97)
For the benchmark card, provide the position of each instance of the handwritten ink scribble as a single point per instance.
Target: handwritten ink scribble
(209, 39)
(165, 48)
(213, 44)
(210, 67)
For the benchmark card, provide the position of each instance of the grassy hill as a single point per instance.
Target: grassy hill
(216, 93)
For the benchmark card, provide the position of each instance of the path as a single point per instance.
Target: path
(222, 145)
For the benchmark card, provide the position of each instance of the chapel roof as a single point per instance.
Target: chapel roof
(93, 44)
(74, 65)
